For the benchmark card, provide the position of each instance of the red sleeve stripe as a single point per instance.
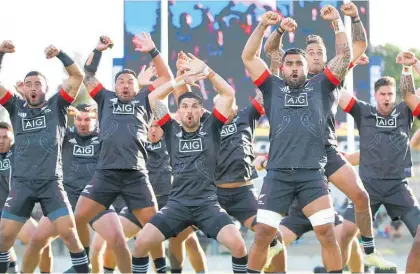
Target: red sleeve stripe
(351, 65)
(331, 77)
(96, 90)
(164, 120)
(219, 116)
(151, 88)
(257, 106)
(262, 78)
(416, 111)
(6, 98)
(350, 105)
(66, 96)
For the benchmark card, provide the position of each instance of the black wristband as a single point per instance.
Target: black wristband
(93, 66)
(355, 19)
(65, 59)
(154, 52)
(263, 164)
(280, 30)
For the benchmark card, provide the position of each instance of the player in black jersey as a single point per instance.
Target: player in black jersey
(39, 127)
(192, 145)
(297, 109)
(124, 119)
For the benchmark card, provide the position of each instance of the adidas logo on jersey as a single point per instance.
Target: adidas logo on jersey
(123, 109)
(296, 101)
(33, 123)
(386, 122)
(5, 164)
(83, 150)
(229, 130)
(193, 145)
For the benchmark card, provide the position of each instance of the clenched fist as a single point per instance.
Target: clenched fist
(406, 58)
(104, 43)
(7, 47)
(51, 51)
(270, 18)
(329, 13)
(288, 24)
(350, 9)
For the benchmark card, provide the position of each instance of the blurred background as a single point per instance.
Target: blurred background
(216, 32)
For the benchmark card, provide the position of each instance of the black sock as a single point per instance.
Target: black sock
(239, 264)
(87, 249)
(108, 270)
(252, 271)
(160, 265)
(368, 244)
(4, 261)
(176, 270)
(140, 265)
(13, 267)
(336, 271)
(273, 242)
(80, 262)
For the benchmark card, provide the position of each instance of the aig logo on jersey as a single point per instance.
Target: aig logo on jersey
(228, 130)
(193, 145)
(123, 109)
(296, 101)
(155, 146)
(83, 150)
(33, 123)
(5, 164)
(390, 122)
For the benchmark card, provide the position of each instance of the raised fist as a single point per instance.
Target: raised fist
(51, 51)
(350, 9)
(329, 13)
(144, 44)
(104, 43)
(270, 18)
(288, 24)
(7, 47)
(406, 58)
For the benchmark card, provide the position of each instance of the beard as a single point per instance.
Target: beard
(35, 103)
(296, 83)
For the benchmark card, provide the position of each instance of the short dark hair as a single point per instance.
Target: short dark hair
(125, 71)
(190, 95)
(385, 81)
(314, 39)
(294, 51)
(85, 107)
(7, 126)
(35, 73)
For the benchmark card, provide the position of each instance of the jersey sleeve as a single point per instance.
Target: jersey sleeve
(266, 83)
(99, 94)
(147, 90)
(64, 100)
(10, 102)
(357, 108)
(329, 81)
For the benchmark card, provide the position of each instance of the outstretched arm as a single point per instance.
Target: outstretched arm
(146, 45)
(353, 158)
(73, 83)
(92, 63)
(274, 47)
(251, 53)
(5, 47)
(408, 90)
(338, 66)
(359, 38)
(415, 140)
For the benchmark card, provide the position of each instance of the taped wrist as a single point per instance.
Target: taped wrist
(93, 66)
(65, 59)
(338, 26)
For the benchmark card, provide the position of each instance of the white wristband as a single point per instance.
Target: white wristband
(176, 84)
(407, 70)
(338, 26)
(206, 71)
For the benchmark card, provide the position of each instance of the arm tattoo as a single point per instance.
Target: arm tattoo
(274, 51)
(339, 64)
(358, 32)
(90, 80)
(159, 110)
(407, 85)
(259, 98)
(68, 88)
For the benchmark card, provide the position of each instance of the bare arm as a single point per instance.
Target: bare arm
(359, 38)
(408, 89)
(415, 140)
(338, 66)
(251, 53)
(224, 102)
(180, 70)
(353, 158)
(5, 47)
(273, 49)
